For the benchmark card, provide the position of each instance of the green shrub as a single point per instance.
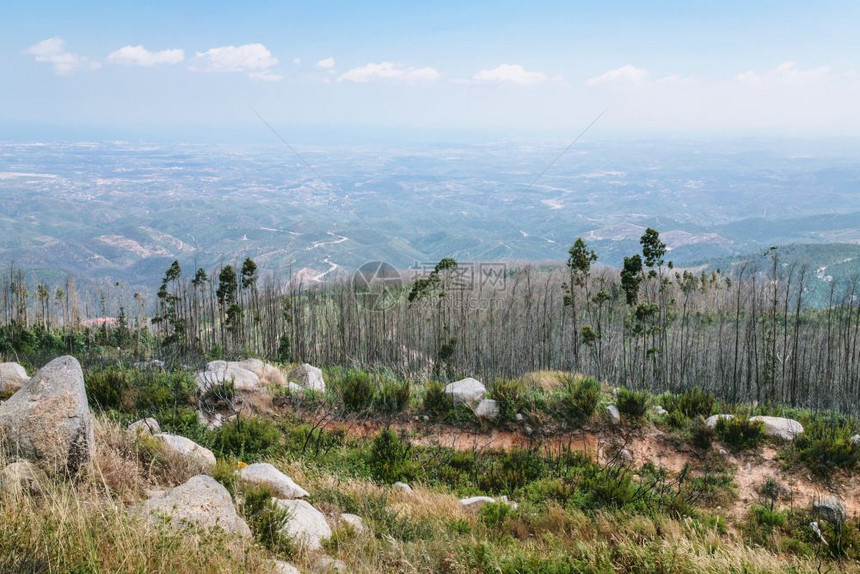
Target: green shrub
(393, 397)
(109, 389)
(826, 446)
(634, 404)
(578, 400)
(495, 514)
(266, 519)
(508, 394)
(356, 391)
(390, 458)
(701, 435)
(437, 402)
(691, 403)
(740, 433)
(247, 439)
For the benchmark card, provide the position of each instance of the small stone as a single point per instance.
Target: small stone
(23, 476)
(186, 447)
(148, 425)
(614, 414)
(723, 452)
(354, 521)
(402, 486)
(855, 439)
(425, 418)
(625, 455)
(659, 411)
(327, 564)
(519, 417)
(281, 567)
(711, 421)
(309, 377)
(487, 409)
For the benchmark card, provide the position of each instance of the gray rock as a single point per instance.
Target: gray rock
(12, 377)
(187, 448)
(309, 377)
(354, 521)
(855, 439)
(466, 391)
(306, 525)
(830, 509)
(519, 417)
(711, 421)
(614, 414)
(402, 486)
(478, 502)
(327, 564)
(151, 365)
(785, 429)
(220, 372)
(659, 411)
(263, 473)
(487, 409)
(49, 421)
(625, 455)
(23, 476)
(201, 501)
(281, 567)
(295, 389)
(148, 425)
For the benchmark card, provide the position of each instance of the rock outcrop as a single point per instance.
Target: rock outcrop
(12, 377)
(148, 425)
(187, 448)
(220, 372)
(263, 473)
(466, 391)
(487, 409)
(201, 502)
(306, 525)
(48, 421)
(830, 509)
(785, 429)
(614, 414)
(308, 377)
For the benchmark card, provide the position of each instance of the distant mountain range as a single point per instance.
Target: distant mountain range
(123, 212)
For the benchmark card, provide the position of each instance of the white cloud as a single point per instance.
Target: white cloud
(510, 73)
(297, 61)
(326, 64)
(389, 71)
(790, 73)
(626, 73)
(140, 56)
(53, 51)
(255, 59)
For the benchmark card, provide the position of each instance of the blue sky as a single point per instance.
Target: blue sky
(195, 70)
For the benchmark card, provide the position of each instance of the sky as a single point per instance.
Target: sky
(208, 71)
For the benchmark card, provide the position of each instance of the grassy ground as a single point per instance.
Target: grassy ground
(579, 509)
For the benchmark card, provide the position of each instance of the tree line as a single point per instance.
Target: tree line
(747, 335)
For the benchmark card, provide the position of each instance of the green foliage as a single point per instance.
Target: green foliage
(356, 391)
(132, 391)
(633, 404)
(389, 459)
(578, 400)
(508, 394)
(691, 403)
(701, 435)
(740, 433)
(495, 514)
(266, 519)
(392, 397)
(826, 446)
(437, 403)
(248, 439)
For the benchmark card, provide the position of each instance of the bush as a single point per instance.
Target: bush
(508, 395)
(634, 404)
(266, 519)
(701, 435)
(437, 402)
(691, 403)
(740, 433)
(393, 397)
(579, 399)
(356, 391)
(247, 439)
(495, 514)
(826, 446)
(390, 458)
